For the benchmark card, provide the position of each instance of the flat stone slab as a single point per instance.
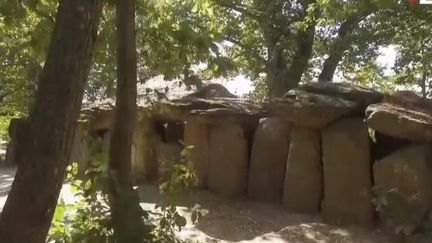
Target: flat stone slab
(303, 184)
(347, 173)
(268, 160)
(311, 110)
(400, 122)
(196, 136)
(355, 93)
(228, 160)
(315, 105)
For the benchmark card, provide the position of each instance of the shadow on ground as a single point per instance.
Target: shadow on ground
(242, 220)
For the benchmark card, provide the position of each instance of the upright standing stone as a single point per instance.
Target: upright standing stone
(80, 153)
(347, 173)
(10, 153)
(303, 179)
(138, 154)
(144, 151)
(268, 160)
(406, 177)
(16, 127)
(167, 156)
(196, 135)
(228, 160)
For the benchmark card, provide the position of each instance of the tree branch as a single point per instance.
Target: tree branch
(341, 44)
(246, 48)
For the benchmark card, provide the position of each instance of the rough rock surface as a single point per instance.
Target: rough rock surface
(140, 150)
(347, 173)
(310, 110)
(168, 155)
(268, 160)
(315, 105)
(212, 91)
(358, 94)
(408, 172)
(149, 140)
(303, 179)
(400, 122)
(197, 135)
(385, 145)
(80, 150)
(228, 160)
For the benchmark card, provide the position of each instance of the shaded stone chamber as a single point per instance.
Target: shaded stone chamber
(334, 149)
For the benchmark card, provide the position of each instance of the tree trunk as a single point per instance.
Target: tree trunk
(301, 58)
(339, 46)
(281, 77)
(276, 71)
(125, 209)
(45, 147)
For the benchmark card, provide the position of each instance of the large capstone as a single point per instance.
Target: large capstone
(268, 160)
(360, 95)
(303, 179)
(347, 173)
(316, 105)
(228, 160)
(402, 117)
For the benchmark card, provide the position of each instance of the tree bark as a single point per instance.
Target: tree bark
(301, 58)
(276, 67)
(125, 209)
(339, 46)
(282, 77)
(45, 147)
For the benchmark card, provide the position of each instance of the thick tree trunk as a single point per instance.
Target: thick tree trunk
(339, 46)
(282, 77)
(276, 71)
(125, 209)
(301, 58)
(45, 147)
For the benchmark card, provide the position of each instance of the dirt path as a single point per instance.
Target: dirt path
(244, 221)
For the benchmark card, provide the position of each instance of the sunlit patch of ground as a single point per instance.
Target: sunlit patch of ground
(2, 150)
(6, 179)
(240, 220)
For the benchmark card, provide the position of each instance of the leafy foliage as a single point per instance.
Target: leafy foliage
(87, 218)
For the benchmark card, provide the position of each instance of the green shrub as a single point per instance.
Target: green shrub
(88, 218)
(4, 125)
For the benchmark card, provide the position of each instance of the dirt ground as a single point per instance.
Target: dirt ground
(244, 221)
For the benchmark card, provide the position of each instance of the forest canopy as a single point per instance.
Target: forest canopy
(274, 43)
